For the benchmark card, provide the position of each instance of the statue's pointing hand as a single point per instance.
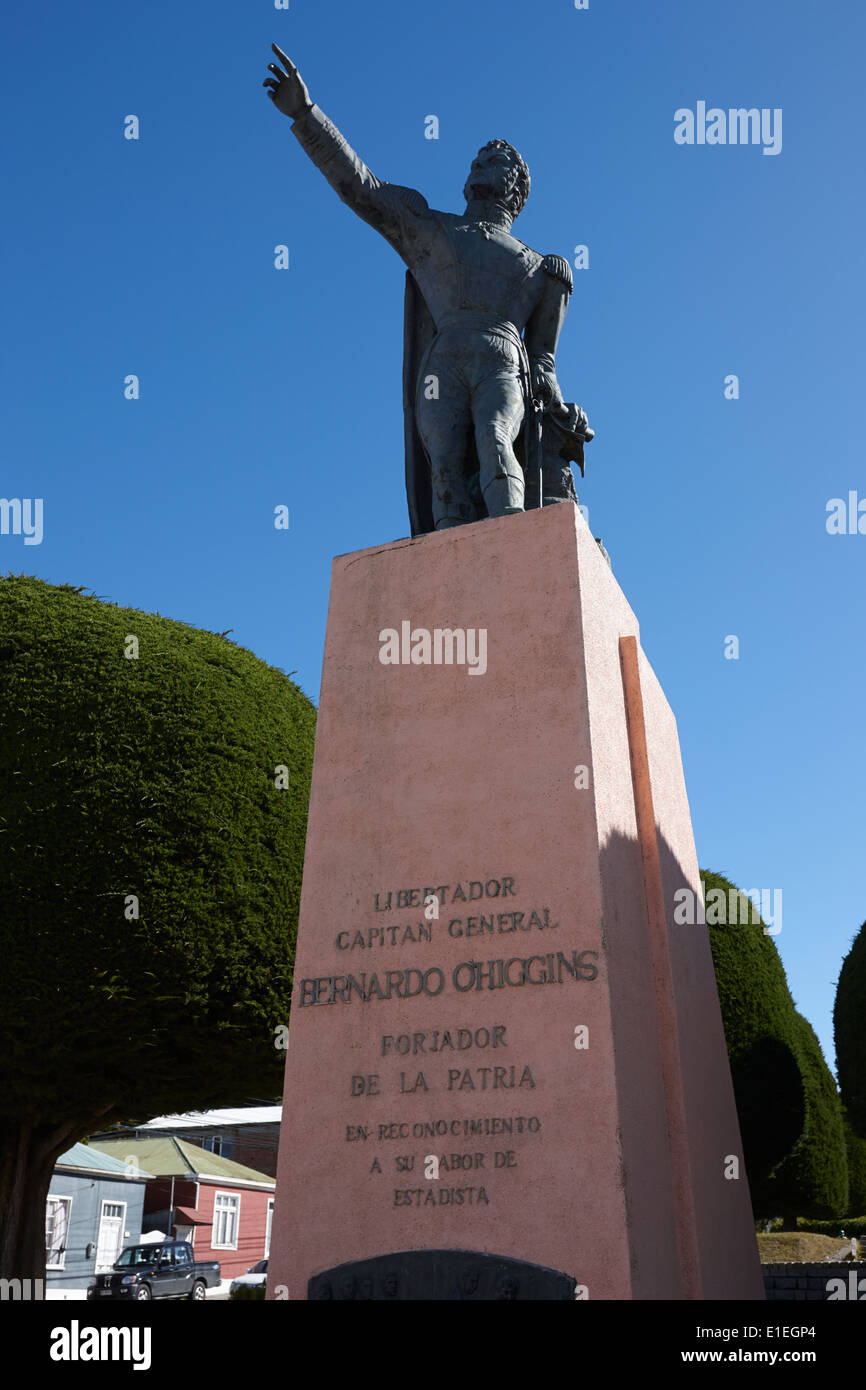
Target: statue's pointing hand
(287, 90)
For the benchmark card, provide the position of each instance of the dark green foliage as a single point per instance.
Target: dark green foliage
(849, 1026)
(758, 1016)
(771, 1106)
(248, 1293)
(812, 1180)
(851, 1225)
(856, 1149)
(154, 777)
(788, 1105)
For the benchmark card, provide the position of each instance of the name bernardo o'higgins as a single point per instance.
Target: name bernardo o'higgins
(554, 968)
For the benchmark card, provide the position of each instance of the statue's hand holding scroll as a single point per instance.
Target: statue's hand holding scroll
(287, 89)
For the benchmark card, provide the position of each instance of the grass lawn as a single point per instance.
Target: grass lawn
(800, 1247)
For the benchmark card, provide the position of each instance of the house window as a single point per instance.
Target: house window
(56, 1231)
(226, 1212)
(270, 1223)
(109, 1241)
(214, 1145)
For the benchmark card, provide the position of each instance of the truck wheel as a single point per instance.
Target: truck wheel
(197, 1291)
(142, 1294)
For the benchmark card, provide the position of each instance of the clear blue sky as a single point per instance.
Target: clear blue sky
(261, 387)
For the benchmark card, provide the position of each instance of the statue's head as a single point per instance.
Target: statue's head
(499, 173)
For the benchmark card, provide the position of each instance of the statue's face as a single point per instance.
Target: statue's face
(493, 175)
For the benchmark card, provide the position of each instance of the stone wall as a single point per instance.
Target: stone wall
(811, 1282)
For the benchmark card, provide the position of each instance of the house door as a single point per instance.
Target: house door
(109, 1242)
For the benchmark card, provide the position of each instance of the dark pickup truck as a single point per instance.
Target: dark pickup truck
(156, 1271)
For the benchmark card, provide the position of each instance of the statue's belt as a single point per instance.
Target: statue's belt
(476, 321)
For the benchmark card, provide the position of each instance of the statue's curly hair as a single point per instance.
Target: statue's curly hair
(520, 192)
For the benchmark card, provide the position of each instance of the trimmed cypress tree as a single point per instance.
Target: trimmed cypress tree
(151, 876)
(856, 1150)
(849, 1028)
(788, 1105)
(812, 1181)
(758, 1017)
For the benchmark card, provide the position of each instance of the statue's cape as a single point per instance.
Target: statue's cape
(419, 330)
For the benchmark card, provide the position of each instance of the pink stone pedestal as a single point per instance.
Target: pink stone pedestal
(582, 1118)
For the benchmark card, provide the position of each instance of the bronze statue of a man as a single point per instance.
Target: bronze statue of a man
(483, 318)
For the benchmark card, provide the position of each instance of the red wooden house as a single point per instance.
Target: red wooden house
(223, 1208)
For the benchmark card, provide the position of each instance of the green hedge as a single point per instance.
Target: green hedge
(812, 1180)
(849, 1025)
(856, 1149)
(787, 1102)
(758, 1017)
(153, 777)
(851, 1225)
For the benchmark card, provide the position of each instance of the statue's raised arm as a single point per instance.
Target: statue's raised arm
(384, 206)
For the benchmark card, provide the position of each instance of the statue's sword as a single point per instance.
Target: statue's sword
(538, 410)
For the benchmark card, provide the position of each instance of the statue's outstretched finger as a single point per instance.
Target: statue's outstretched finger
(286, 62)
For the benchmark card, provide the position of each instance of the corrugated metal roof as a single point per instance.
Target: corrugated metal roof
(171, 1157)
(209, 1119)
(95, 1161)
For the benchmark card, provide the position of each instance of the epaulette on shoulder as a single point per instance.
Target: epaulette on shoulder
(409, 197)
(559, 268)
